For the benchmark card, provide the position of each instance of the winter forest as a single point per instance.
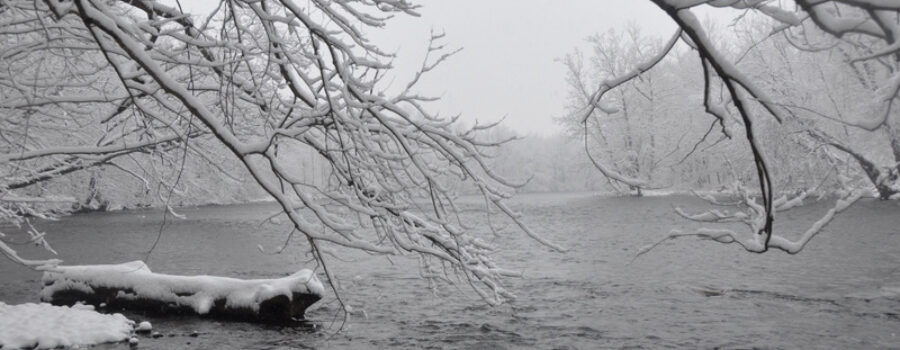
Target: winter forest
(732, 183)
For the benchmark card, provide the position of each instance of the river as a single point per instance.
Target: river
(842, 291)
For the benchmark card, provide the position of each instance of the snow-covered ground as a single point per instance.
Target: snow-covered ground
(44, 326)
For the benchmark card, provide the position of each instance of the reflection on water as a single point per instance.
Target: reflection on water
(841, 292)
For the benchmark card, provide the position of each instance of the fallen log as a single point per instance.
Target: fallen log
(133, 286)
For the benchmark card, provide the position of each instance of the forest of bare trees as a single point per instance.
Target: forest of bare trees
(798, 99)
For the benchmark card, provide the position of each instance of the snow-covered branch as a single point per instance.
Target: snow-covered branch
(751, 214)
(265, 80)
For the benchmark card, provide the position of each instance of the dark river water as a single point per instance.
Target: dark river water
(842, 291)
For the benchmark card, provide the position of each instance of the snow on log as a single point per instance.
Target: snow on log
(133, 286)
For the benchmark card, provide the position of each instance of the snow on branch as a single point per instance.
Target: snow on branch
(12, 255)
(752, 215)
(612, 83)
(870, 27)
(15, 211)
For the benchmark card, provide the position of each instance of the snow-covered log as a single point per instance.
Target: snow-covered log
(133, 286)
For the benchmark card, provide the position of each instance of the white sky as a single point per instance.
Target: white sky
(507, 66)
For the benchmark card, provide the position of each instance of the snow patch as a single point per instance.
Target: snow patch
(44, 326)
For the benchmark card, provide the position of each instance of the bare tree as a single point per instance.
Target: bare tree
(621, 128)
(259, 78)
(630, 141)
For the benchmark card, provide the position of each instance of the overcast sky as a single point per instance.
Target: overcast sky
(508, 63)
